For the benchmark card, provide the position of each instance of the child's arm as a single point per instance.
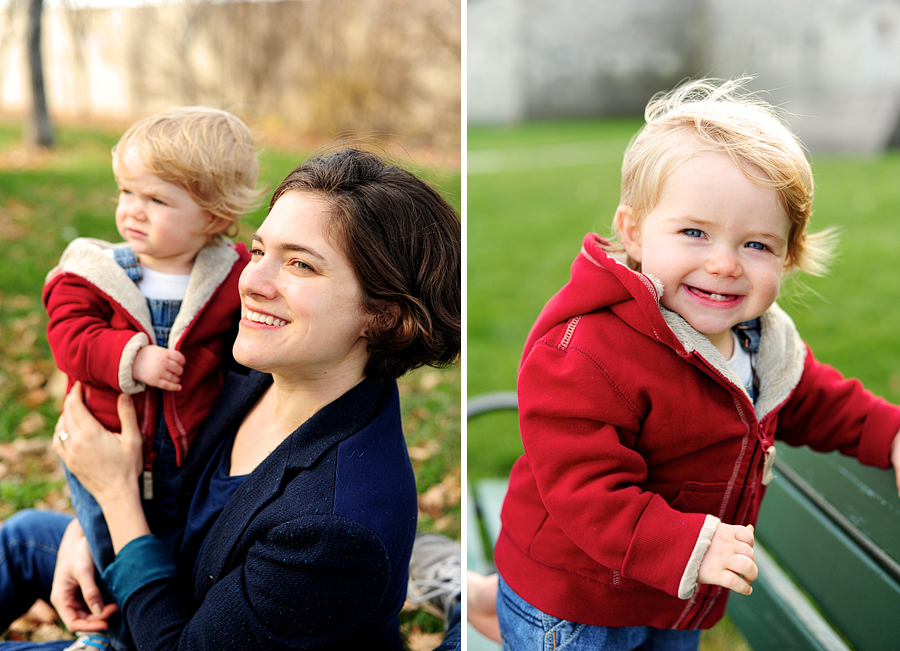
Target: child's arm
(729, 561)
(159, 367)
(84, 344)
(830, 412)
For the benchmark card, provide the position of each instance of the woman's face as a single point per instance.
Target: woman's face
(302, 316)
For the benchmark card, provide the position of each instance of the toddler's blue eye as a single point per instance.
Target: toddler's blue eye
(693, 232)
(759, 246)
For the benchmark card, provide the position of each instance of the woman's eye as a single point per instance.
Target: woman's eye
(302, 265)
(255, 253)
(693, 232)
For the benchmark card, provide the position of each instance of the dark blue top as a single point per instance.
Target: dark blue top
(312, 549)
(214, 490)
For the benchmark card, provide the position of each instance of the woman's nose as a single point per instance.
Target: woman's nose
(257, 279)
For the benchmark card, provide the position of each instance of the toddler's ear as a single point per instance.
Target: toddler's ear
(217, 225)
(629, 231)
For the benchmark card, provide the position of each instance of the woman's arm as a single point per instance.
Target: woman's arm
(313, 579)
(107, 464)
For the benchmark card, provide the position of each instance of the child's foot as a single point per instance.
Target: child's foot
(89, 642)
(435, 575)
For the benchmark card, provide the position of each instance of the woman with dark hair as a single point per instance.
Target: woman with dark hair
(301, 499)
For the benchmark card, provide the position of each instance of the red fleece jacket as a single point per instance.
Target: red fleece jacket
(639, 439)
(99, 320)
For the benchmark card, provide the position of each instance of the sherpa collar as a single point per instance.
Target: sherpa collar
(779, 362)
(84, 257)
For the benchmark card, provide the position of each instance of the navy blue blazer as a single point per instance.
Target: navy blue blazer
(311, 552)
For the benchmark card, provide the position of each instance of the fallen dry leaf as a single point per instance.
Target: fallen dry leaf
(424, 450)
(439, 496)
(39, 624)
(32, 423)
(419, 641)
(429, 380)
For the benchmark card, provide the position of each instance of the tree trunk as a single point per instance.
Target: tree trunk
(41, 131)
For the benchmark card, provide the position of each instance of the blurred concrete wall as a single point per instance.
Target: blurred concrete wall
(834, 64)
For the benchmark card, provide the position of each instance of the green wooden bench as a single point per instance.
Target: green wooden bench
(828, 551)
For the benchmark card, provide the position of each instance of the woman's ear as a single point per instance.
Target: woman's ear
(386, 315)
(629, 230)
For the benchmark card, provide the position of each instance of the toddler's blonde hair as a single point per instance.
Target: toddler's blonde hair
(207, 152)
(710, 115)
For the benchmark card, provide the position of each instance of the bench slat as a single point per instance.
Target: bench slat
(853, 591)
(865, 496)
(476, 559)
(778, 616)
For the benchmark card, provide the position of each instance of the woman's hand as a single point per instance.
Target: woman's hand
(75, 594)
(107, 464)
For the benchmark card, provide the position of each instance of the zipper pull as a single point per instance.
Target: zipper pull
(769, 462)
(148, 485)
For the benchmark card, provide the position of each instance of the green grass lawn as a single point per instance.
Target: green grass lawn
(47, 199)
(534, 190)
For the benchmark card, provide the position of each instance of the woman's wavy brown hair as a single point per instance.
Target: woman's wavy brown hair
(402, 239)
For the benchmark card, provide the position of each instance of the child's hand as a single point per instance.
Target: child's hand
(159, 367)
(729, 561)
(895, 459)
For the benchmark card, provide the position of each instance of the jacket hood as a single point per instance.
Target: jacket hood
(599, 280)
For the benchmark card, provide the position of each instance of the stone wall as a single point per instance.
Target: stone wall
(835, 64)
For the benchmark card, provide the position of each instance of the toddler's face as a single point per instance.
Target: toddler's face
(161, 221)
(718, 243)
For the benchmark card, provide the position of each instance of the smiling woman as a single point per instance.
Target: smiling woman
(302, 507)
(298, 277)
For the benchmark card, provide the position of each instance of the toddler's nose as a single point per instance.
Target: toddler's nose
(136, 211)
(723, 264)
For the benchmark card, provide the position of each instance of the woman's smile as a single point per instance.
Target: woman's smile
(265, 319)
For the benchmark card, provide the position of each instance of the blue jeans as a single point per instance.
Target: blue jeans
(452, 631)
(163, 517)
(29, 541)
(163, 511)
(525, 628)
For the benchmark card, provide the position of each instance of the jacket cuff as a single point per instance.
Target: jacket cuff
(691, 572)
(139, 563)
(127, 383)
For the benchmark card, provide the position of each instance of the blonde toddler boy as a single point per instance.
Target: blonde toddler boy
(655, 385)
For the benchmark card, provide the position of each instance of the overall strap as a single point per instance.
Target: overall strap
(126, 259)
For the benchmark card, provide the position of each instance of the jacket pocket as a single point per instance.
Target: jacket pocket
(699, 497)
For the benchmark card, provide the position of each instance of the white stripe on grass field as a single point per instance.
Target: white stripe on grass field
(576, 154)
